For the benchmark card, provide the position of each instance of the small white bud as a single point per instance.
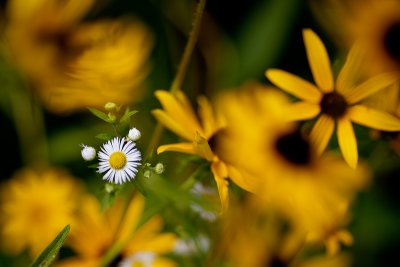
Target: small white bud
(159, 168)
(88, 153)
(134, 134)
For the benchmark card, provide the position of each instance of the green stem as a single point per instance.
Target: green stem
(29, 124)
(182, 68)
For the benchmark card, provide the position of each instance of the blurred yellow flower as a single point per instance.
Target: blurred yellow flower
(253, 235)
(336, 103)
(373, 23)
(95, 232)
(35, 206)
(179, 117)
(72, 65)
(273, 156)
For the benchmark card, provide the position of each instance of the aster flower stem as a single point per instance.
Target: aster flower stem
(182, 68)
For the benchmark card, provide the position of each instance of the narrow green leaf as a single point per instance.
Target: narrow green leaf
(50, 252)
(105, 136)
(100, 114)
(128, 113)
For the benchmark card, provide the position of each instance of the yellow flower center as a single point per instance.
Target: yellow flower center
(137, 264)
(117, 160)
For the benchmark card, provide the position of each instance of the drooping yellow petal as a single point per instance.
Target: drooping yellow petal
(370, 86)
(319, 60)
(322, 133)
(186, 148)
(202, 148)
(373, 118)
(347, 141)
(220, 173)
(294, 85)
(169, 122)
(332, 246)
(178, 107)
(303, 111)
(348, 74)
(345, 237)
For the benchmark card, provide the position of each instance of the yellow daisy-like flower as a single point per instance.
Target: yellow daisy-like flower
(254, 235)
(95, 232)
(35, 206)
(337, 103)
(280, 164)
(179, 117)
(374, 23)
(74, 65)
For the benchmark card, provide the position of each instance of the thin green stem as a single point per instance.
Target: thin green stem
(182, 68)
(29, 124)
(187, 53)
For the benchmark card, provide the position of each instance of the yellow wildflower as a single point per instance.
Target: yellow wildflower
(254, 236)
(35, 206)
(74, 65)
(95, 232)
(179, 117)
(374, 23)
(336, 103)
(281, 165)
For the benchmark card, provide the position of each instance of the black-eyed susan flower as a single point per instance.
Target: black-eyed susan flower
(279, 162)
(336, 103)
(179, 117)
(35, 206)
(74, 65)
(96, 232)
(374, 23)
(119, 160)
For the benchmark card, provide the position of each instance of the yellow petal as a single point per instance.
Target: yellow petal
(131, 218)
(347, 141)
(178, 108)
(208, 120)
(186, 148)
(169, 122)
(202, 148)
(319, 60)
(373, 118)
(321, 133)
(332, 246)
(349, 73)
(346, 237)
(220, 173)
(303, 111)
(370, 86)
(294, 85)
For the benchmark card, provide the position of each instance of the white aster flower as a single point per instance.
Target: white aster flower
(134, 134)
(119, 159)
(88, 152)
(144, 259)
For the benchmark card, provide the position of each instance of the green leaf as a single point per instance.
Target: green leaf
(49, 253)
(263, 36)
(100, 114)
(105, 136)
(127, 115)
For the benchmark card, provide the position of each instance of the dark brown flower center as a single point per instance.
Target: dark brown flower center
(391, 41)
(333, 104)
(294, 148)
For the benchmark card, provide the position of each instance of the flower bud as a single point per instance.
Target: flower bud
(88, 153)
(159, 168)
(134, 134)
(110, 106)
